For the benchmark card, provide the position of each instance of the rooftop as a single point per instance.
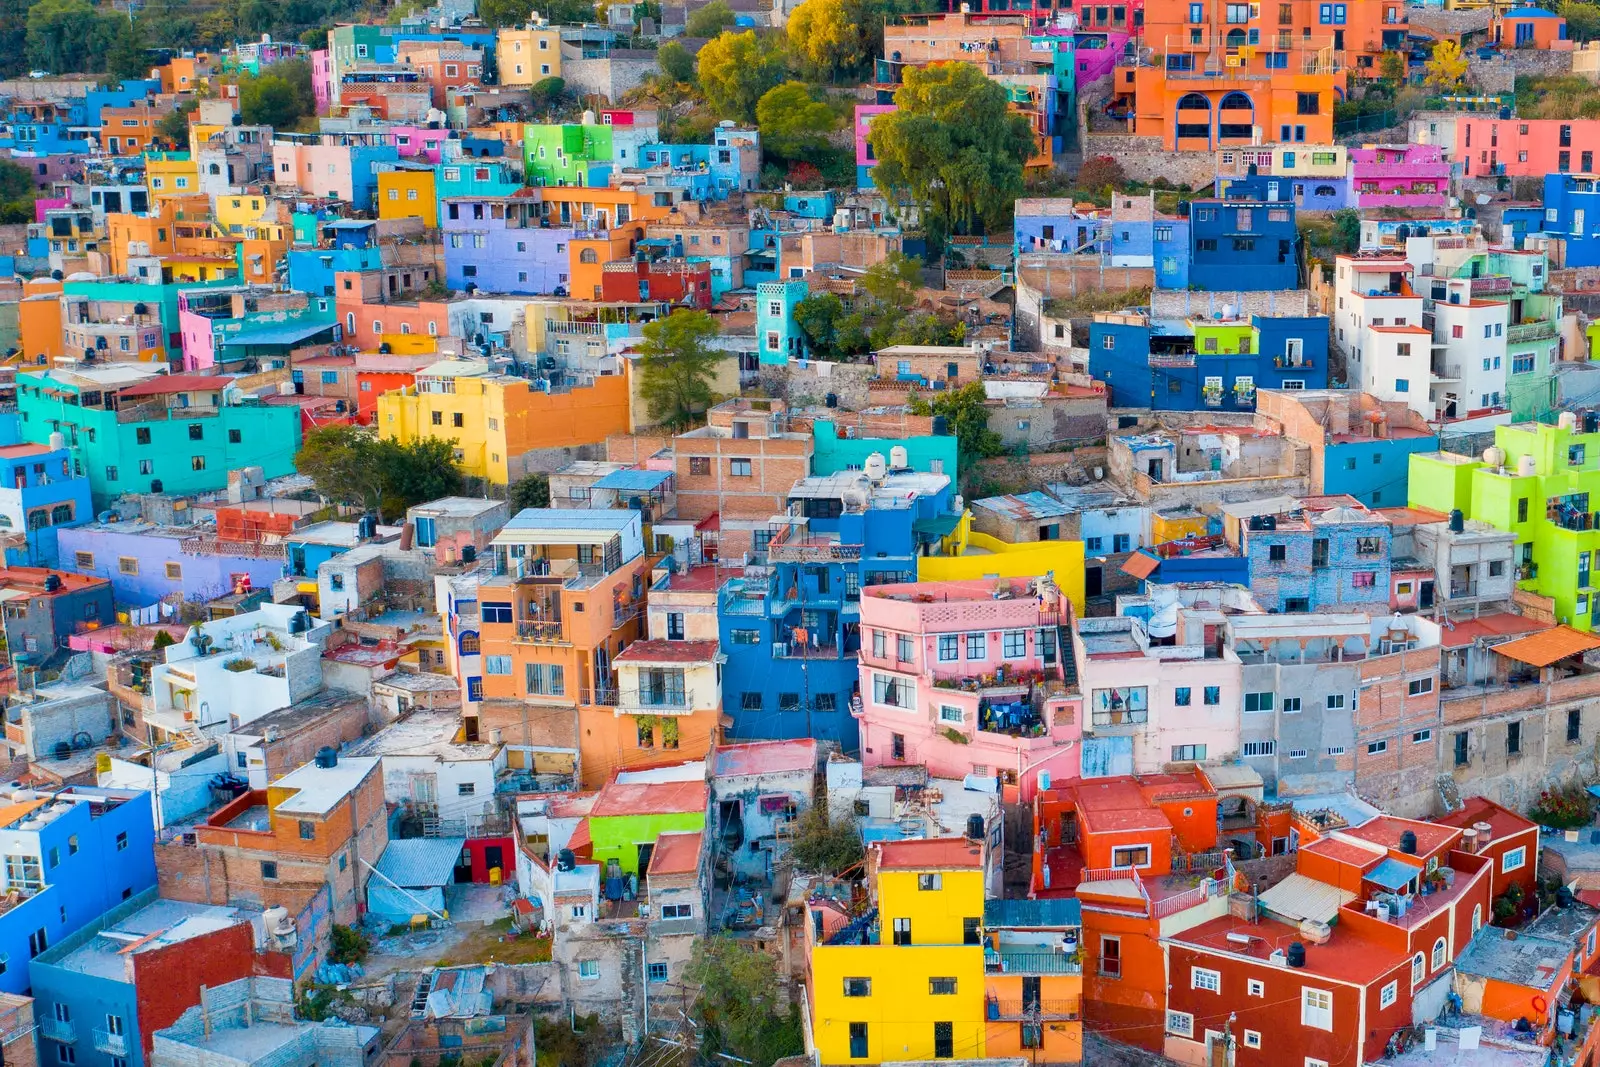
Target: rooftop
(1386, 830)
(658, 651)
(1486, 627)
(158, 924)
(766, 757)
(676, 853)
(317, 790)
(1550, 646)
(619, 798)
(424, 733)
(928, 853)
(1347, 957)
(1517, 957)
(1503, 822)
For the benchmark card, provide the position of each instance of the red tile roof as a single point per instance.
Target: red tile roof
(667, 652)
(1503, 822)
(18, 451)
(163, 384)
(767, 757)
(1543, 649)
(676, 853)
(31, 579)
(933, 852)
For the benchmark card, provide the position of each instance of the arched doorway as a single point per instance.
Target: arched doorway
(1235, 117)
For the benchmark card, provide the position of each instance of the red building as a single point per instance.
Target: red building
(1507, 838)
(677, 280)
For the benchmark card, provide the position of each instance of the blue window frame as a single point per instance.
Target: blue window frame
(1180, 62)
(1255, 36)
(1197, 12)
(1338, 14)
(330, 377)
(1325, 14)
(1286, 133)
(1288, 159)
(474, 688)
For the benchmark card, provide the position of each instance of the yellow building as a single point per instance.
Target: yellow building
(528, 56)
(252, 217)
(907, 983)
(408, 194)
(967, 554)
(171, 174)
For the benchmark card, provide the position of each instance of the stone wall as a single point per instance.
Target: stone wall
(1050, 421)
(803, 384)
(1184, 303)
(1144, 159)
(610, 77)
(1500, 74)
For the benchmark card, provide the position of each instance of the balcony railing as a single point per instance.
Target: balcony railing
(1034, 1010)
(1497, 284)
(111, 1044)
(1531, 331)
(1007, 961)
(1463, 589)
(1171, 359)
(56, 1030)
(540, 633)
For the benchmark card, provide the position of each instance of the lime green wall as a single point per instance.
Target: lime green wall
(1229, 339)
(618, 837)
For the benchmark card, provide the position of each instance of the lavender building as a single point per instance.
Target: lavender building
(498, 244)
(146, 562)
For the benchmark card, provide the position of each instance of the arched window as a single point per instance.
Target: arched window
(38, 520)
(214, 169)
(588, 255)
(1438, 953)
(60, 513)
(1234, 118)
(1419, 969)
(469, 643)
(1327, 190)
(5, 522)
(1477, 918)
(1236, 102)
(1194, 102)
(1236, 39)
(1192, 124)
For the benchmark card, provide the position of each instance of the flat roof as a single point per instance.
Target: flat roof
(766, 757)
(929, 852)
(656, 650)
(316, 790)
(649, 798)
(158, 924)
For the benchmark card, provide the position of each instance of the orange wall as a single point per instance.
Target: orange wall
(1132, 1007)
(561, 419)
(608, 741)
(1197, 831)
(1097, 847)
(39, 321)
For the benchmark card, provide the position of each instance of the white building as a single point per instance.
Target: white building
(428, 773)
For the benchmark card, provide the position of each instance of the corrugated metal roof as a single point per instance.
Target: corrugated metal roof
(633, 480)
(1543, 649)
(1392, 874)
(1301, 897)
(1032, 913)
(421, 861)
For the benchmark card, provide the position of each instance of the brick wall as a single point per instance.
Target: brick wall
(168, 979)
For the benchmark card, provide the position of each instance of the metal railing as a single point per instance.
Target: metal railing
(1034, 1010)
(112, 1044)
(56, 1030)
(1530, 331)
(542, 633)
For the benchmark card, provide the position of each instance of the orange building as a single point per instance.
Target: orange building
(130, 131)
(186, 73)
(566, 597)
(40, 321)
(610, 222)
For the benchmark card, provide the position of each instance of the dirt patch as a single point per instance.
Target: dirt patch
(498, 943)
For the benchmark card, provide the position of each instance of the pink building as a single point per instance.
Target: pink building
(1403, 176)
(1097, 52)
(966, 678)
(1526, 148)
(418, 142)
(322, 79)
(865, 160)
(199, 344)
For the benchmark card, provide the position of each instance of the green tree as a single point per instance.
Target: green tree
(737, 1008)
(710, 20)
(547, 92)
(1446, 69)
(1392, 66)
(736, 70)
(69, 35)
(835, 37)
(532, 491)
(675, 62)
(352, 465)
(416, 472)
(269, 100)
(966, 410)
(499, 13)
(677, 367)
(127, 57)
(953, 144)
(818, 320)
(174, 125)
(349, 945)
(1583, 20)
(893, 280)
(824, 845)
(792, 124)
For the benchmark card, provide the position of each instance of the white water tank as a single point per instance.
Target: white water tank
(875, 467)
(1568, 420)
(1494, 457)
(899, 458)
(58, 441)
(1527, 467)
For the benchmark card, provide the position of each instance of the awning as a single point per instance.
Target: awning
(633, 481)
(1543, 649)
(421, 862)
(1301, 897)
(284, 334)
(1392, 874)
(936, 528)
(1141, 564)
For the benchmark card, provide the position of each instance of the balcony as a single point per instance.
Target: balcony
(1171, 359)
(1033, 1011)
(540, 633)
(1030, 961)
(670, 702)
(1293, 362)
(56, 1030)
(111, 1044)
(1531, 331)
(1497, 284)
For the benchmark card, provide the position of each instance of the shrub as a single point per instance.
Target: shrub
(1564, 808)
(349, 945)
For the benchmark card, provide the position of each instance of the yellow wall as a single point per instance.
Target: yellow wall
(395, 189)
(936, 915)
(899, 1011)
(1000, 560)
(520, 48)
(170, 171)
(1164, 529)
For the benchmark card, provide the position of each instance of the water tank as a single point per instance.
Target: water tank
(588, 118)
(941, 426)
(565, 860)
(1494, 457)
(155, 485)
(1568, 420)
(974, 827)
(469, 554)
(58, 441)
(875, 467)
(1269, 522)
(52, 582)
(1044, 779)
(1527, 467)
(1296, 956)
(1408, 843)
(1458, 523)
(367, 526)
(327, 756)
(1563, 897)
(899, 458)
(300, 623)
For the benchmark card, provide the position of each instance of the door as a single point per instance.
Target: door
(644, 859)
(462, 875)
(1093, 583)
(1425, 595)
(495, 856)
(944, 1041)
(1030, 993)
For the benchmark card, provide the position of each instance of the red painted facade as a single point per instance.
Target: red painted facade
(167, 980)
(483, 853)
(678, 281)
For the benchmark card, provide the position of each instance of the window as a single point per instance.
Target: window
(1316, 1008)
(127, 565)
(891, 692)
(1200, 978)
(1277, 553)
(930, 883)
(1419, 687)
(657, 972)
(308, 830)
(951, 714)
(1513, 738)
(699, 465)
(941, 987)
(1258, 702)
(1574, 726)
(1335, 702)
(1252, 1039)
(1308, 103)
(1255, 988)
(1388, 994)
(1131, 856)
(1291, 705)
(1514, 859)
(589, 970)
(1111, 957)
(1188, 753)
(1213, 695)
(1335, 750)
(739, 468)
(902, 931)
(1377, 748)
(977, 646)
(858, 987)
(904, 648)
(1014, 644)
(1439, 950)
(269, 870)
(1260, 748)
(1180, 1023)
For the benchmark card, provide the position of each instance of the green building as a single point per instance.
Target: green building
(1546, 490)
(132, 431)
(627, 817)
(107, 299)
(568, 154)
(932, 454)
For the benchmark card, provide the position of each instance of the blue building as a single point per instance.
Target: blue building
(790, 627)
(39, 496)
(309, 548)
(87, 987)
(46, 128)
(1051, 225)
(1247, 240)
(71, 856)
(311, 270)
(126, 94)
(1194, 364)
(1324, 561)
(709, 171)
(1374, 470)
(1572, 212)
(778, 336)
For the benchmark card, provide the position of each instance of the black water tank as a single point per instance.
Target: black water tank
(52, 582)
(974, 827)
(1269, 522)
(367, 526)
(1296, 954)
(1563, 897)
(155, 485)
(327, 756)
(1408, 843)
(831, 400)
(1458, 523)
(941, 426)
(565, 860)
(469, 554)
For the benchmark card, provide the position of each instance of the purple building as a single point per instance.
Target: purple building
(498, 244)
(146, 563)
(1399, 175)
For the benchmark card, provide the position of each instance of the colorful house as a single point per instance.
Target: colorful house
(1201, 363)
(527, 55)
(408, 193)
(1400, 176)
(1246, 241)
(1530, 27)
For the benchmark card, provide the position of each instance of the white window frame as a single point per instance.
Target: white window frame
(1252, 1039)
(1206, 979)
(1255, 987)
(1389, 994)
(1180, 1023)
(1129, 866)
(1441, 953)
(1419, 970)
(1314, 1015)
(1521, 853)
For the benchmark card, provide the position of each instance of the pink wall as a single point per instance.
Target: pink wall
(322, 79)
(1482, 142)
(419, 142)
(864, 116)
(1096, 63)
(199, 350)
(44, 204)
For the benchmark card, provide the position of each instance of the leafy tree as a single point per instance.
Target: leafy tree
(736, 70)
(162, 640)
(349, 945)
(966, 410)
(823, 845)
(174, 125)
(15, 182)
(1101, 171)
(792, 123)
(1583, 20)
(834, 36)
(126, 57)
(1392, 66)
(710, 20)
(546, 92)
(893, 280)
(268, 100)
(1446, 69)
(675, 62)
(499, 13)
(818, 320)
(69, 35)
(677, 367)
(532, 491)
(736, 1010)
(352, 465)
(315, 38)
(954, 145)
(416, 472)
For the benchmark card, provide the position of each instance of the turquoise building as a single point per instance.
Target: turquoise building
(928, 455)
(776, 330)
(131, 432)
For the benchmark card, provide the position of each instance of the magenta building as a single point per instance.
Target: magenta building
(1404, 176)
